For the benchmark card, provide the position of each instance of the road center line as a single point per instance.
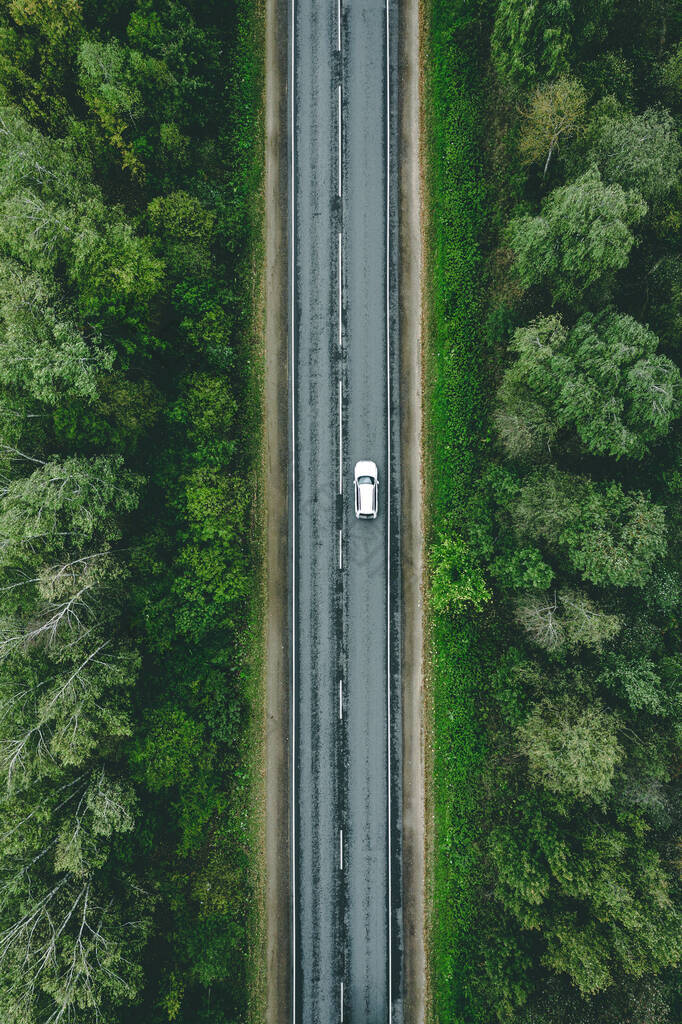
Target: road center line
(340, 441)
(340, 151)
(340, 282)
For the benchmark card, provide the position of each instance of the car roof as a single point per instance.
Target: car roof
(366, 468)
(366, 497)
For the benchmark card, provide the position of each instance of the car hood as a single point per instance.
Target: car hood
(366, 468)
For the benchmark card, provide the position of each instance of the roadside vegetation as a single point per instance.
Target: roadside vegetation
(553, 430)
(130, 707)
(454, 410)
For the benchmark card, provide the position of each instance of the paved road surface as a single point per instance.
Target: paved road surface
(344, 573)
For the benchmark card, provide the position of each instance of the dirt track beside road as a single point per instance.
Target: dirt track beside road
(277, 632)
(411, 261)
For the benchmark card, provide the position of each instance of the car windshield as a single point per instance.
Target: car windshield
(364, 480)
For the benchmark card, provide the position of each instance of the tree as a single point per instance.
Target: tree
(638, 151)
(171, 748)
(71, 928)
(572, 750)
(107, 83)
(66, 947)
(113, 79)
(609, 536)
(44, 354)
(581, 238)
(211, 574)
(616, 538)
(533, 39)
(187, 230)
(525, 427)
(56, 610)
(54, 217)
(664, 290)
(604, 378)
(632, 1000)
(207, 410)
(565, 619)
(555, 112)
(525, 416)
(539, 39)
(623, 395)
(595, 893)
(56, 710)
(638, 681)
(671, 74)
(53, 18)
(522, 568)
(63, 505)
(57, 580)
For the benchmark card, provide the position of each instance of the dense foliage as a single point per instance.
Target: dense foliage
(561, 558)
(130, 156)
(454, 410)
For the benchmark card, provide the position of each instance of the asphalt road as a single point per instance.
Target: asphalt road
(345, 585)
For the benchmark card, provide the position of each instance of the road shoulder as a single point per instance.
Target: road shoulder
(276, 640)
(412, 533)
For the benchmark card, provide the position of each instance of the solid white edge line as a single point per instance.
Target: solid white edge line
(339, 143)
(340, 441)
(293, 529)
(388, 497)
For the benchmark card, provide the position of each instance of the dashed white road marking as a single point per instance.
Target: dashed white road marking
(340, 549)
(340, 440)
(340, 698)
(340, 282)
(341, 848)
(340, 144)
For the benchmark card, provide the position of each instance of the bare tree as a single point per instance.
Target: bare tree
(555, 112)
(71, 616)
(554, 619)
(539, 616)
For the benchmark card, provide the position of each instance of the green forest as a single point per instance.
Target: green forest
(131, 576)
(130, 446)
(554, 172)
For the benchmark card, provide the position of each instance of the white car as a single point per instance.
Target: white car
(366, 490)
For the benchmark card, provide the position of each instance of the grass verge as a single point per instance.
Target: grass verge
(251, 133)
(453, 429)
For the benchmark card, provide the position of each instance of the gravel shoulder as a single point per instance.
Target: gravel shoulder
(412, 532)
(276, 640)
